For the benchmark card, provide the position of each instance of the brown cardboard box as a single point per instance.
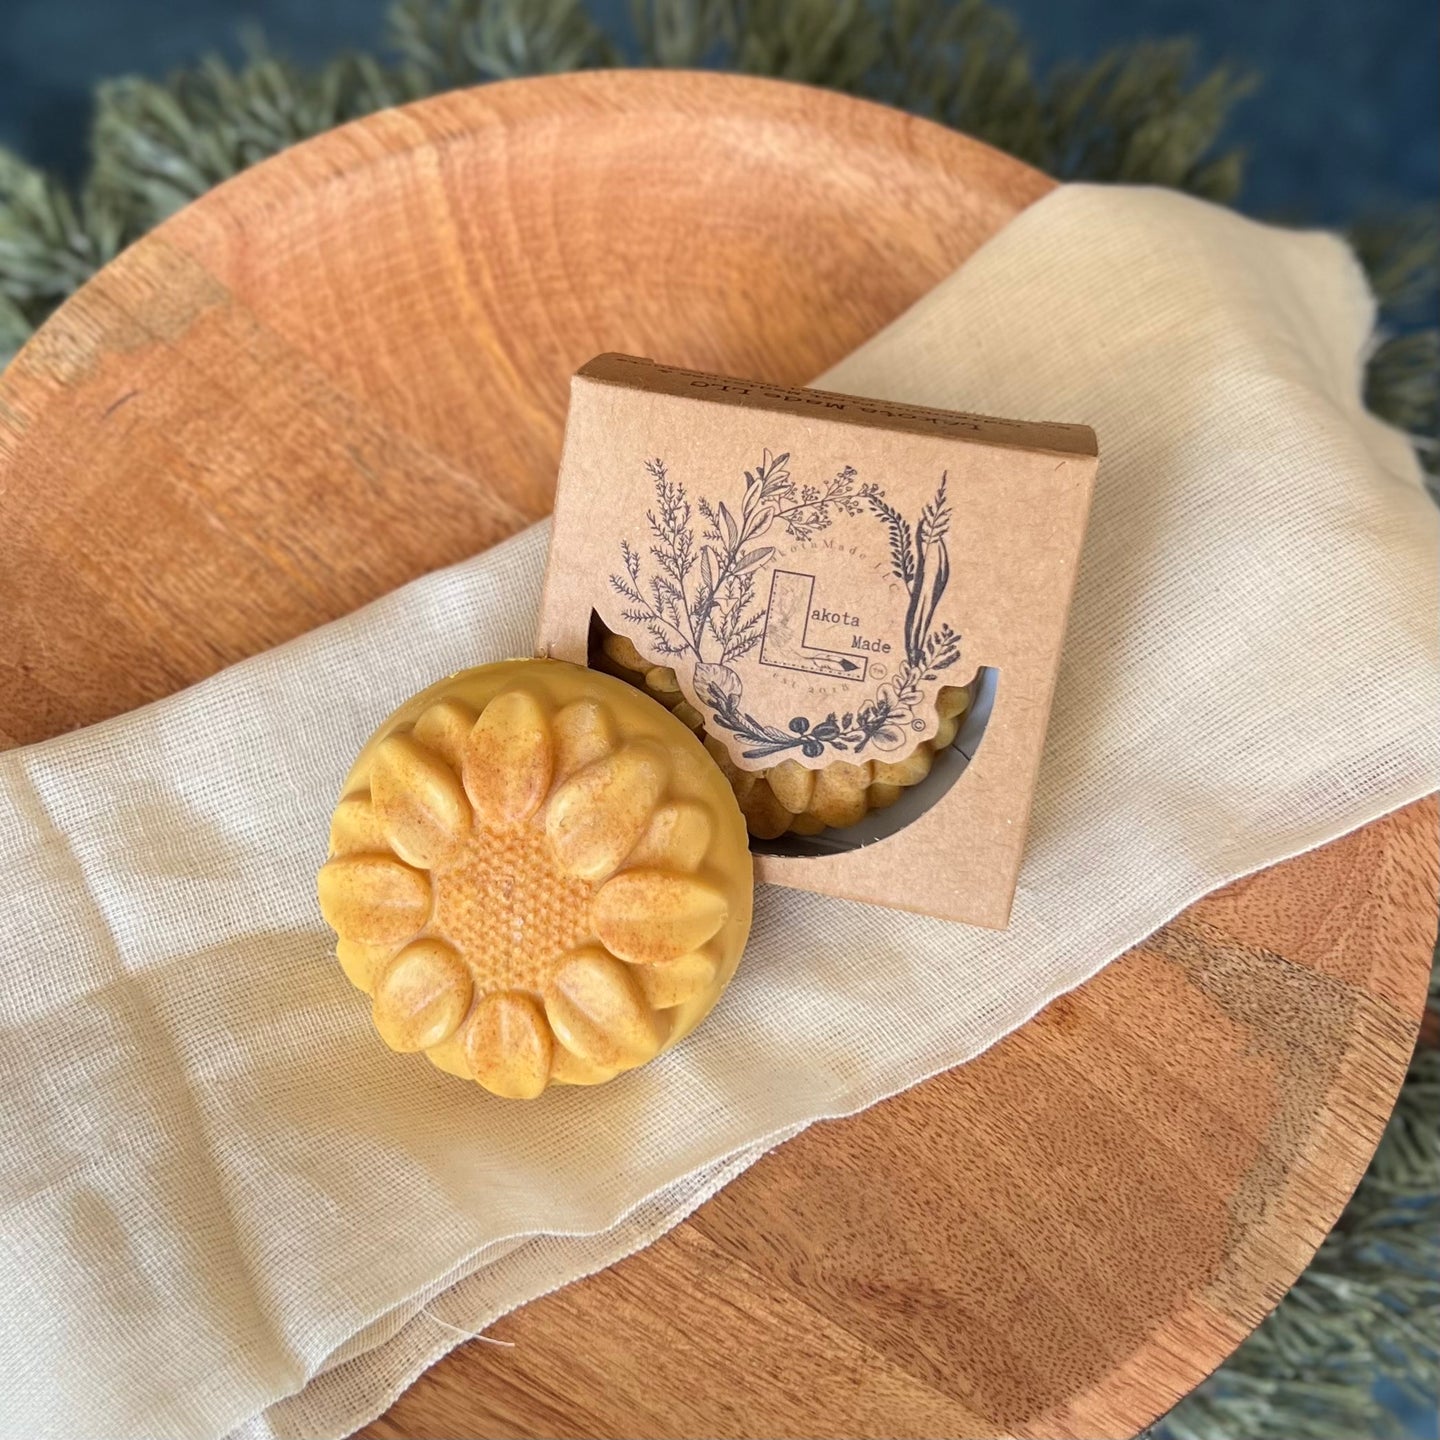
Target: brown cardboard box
(814, 568)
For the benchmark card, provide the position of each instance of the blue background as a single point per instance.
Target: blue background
(1343, 126)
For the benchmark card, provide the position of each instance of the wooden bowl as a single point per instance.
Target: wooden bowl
(349, 366)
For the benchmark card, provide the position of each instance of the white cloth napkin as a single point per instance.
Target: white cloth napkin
(226, 1206)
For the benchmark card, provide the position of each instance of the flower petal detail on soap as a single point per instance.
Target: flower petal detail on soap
(509, 1044)
(624, 653)
(649, 915)
(596, 1010)
(951, 701)
(909, 771)
(677, 839)
(594, 819)
(419, 801)
(567, 1068)
(421, 996)
(741, 781)
(449, 1055)
(946, 732)
(355, 829)
(672, 982)
(765, 816)
(793, 785)
(839, 797)
(584, 731)
(373, 899)
(662, 682)
(361, 963)
(509, 759)
(443, 728)
(688, 715)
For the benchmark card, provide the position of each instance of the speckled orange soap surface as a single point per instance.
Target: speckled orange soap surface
(538, 875)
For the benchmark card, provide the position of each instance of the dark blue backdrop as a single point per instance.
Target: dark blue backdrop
(1345, 123)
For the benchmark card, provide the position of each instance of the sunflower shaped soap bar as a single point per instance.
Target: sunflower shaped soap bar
(538, 875)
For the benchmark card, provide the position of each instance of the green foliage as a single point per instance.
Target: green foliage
(1402, 258)
(156, 147)
(448, 43)
(51, 242)
(1139, 114)
(685, 35)
(1403, 379)
(1136, 117)
(1142, 115)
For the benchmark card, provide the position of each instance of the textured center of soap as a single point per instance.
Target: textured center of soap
(506, 908)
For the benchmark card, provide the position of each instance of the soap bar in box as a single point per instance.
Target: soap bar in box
(861, 603)
(787, 798)
(538, 875)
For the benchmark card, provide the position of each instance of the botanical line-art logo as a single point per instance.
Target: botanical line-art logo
(698, 597)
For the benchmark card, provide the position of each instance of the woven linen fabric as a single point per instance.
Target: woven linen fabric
(227, 1208)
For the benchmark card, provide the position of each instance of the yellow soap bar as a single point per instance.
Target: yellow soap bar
(538, 875)
(788, 797)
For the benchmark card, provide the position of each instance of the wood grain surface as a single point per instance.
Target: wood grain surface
(349, 366)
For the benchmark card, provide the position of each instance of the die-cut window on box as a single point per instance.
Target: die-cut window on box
(949, 765)
(946, 769)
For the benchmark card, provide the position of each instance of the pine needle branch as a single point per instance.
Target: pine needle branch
(157, 146)
(448, 43)
(1138, 115)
